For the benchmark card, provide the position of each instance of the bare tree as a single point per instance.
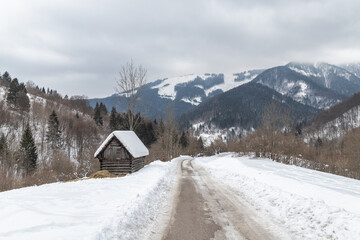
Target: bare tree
(274, 118)
(170, 136)
(129, 86)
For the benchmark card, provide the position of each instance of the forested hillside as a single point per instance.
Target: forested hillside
(336, 121)
(243, 107)
(45, 137)
(300, 87)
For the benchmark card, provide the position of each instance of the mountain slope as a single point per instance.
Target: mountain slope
(319, 85)
(184, 92)
(243, 107)
(354, 68)
(330, 76)
(337, 120)
(299, 87)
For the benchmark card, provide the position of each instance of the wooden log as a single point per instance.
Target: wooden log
(117, 167)
(116, 161)
(115, 164)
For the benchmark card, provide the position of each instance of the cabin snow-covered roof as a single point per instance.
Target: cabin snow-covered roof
(129, 140)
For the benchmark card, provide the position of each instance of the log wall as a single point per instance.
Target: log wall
(137, 164)
(116, 159)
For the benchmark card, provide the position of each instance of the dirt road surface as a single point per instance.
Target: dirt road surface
(205, 209)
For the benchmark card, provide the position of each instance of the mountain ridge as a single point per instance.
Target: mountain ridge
(299, 87)
(251, 99)
(317, 85)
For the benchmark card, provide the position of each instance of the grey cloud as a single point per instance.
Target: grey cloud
(77, 47)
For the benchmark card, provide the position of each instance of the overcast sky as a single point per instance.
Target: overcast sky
(78, 46)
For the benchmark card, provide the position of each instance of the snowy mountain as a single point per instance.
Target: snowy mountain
(184, 92)
(242, 107)
(320, 85)
(300, 86)
(336, 121)
(196, 88)
(330, 76)
(354, 68)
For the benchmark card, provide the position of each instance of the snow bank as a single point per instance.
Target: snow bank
(114, 208)
(310, 204)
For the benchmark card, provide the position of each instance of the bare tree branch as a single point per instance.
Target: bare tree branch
(129, 85)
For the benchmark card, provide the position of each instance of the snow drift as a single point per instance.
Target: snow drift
(113, 208)
(310, 204)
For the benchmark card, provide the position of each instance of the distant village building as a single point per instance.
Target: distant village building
(122, 152)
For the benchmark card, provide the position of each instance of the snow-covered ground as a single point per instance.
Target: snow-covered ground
(310, 204)
(307, 203)
(113, 208)
(210, 133)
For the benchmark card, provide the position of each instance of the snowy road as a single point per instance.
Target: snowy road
(301, 203)
(209, 210)
(219, 197)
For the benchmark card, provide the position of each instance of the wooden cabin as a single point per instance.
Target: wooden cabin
(122, 152)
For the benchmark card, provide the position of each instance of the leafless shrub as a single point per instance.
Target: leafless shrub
(218, 146)
(9, 179)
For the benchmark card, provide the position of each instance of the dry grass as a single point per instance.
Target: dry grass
(98, 174)
(75, 180)
(104, 174)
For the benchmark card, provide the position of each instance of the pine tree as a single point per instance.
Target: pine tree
(97, 117)
(103, 109)
(23, 101)
(6, 76)
(184, 141)
(318, 143)
(113, 124)
(13, 90)
(151, 132)
(145, 131)
(21, 87)
(28, 150)
(122, 122)
(17, 95)
(3, 145)
(53, 134)
(200, 143)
